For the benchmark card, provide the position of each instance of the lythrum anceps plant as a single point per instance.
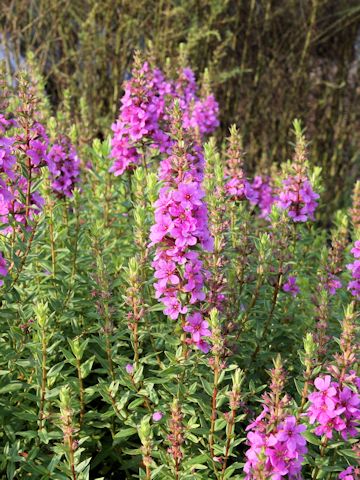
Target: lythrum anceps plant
(164, 313)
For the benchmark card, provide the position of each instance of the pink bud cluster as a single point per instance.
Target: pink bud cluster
(276, 451)
(354, 284)
(298, 198)
(144, 118)
(64, 167)
(334, 407)
(180, 229)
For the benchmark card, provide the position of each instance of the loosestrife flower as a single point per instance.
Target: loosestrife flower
(276, 444)
(140, 113)
(238, 187)
(332, 284)
(334, 408)
(296, 194)
(298, 198)
(351, 473)
(157, 416)
(335, 404)
(334, 263)
(64, 167)
(129, 368)
(144, 119)
(354, 285)
(3, 268)
(180, 230)
(23, 147)
(265, 195)
(290, 286)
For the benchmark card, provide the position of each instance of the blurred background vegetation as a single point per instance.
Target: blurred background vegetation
(270, 61)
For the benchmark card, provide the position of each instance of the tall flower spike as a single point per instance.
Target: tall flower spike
(180, 232)
(276, 443)
(296, 194)
(238, 186)
(23, 150)
(144, 119)
(335, 403)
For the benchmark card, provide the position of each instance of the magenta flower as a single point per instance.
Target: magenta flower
(298, 198)
(197, 326)
(332, 284)
(265, 195)
(290, 433)
(64, 167)
(354, 284)
(3, 268)
(163, 226)
(333, 408)
(356, 249)
(157, 416)
(277, 451)
(188, 194)
(144, 119)
(173, 307)
(349, 474)
(166, 273)
(129, 368)
(290, 286)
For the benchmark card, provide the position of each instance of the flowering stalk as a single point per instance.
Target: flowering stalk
(176, 437)
(218, 223)
(275, 438)
(235, 397)
(354, 284)
(145, 435)
(66, 424)
(133, 299)
(103, 297)
(216, 364)
(335, 407)
(42, 323)
(180, 229)
(296, 195)
(78, 351)
(307, 360)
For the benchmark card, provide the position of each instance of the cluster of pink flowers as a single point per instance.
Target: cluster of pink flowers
(354, 285)
(181, 227)
(31, 144)
(64, 167)
(265, 195)
(334, 407)
(276, 452)
(203, 115)
(239, 188)
(298, 198)
(144, 119)
(332, 283)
